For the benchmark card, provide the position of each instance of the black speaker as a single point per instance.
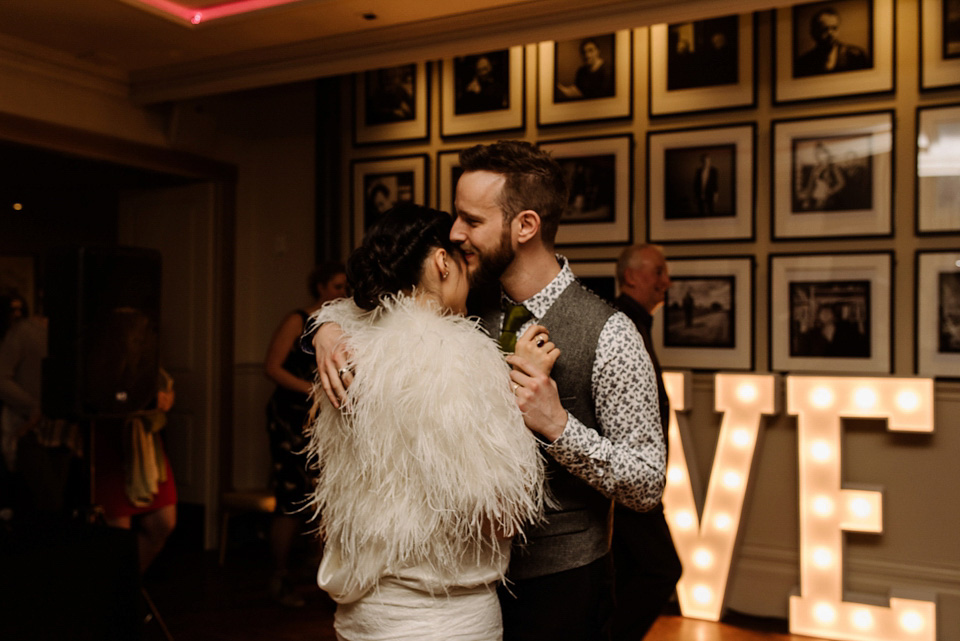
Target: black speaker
(103, 305)
(70, 582)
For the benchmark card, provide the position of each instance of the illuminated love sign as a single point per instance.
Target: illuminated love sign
(706, 543)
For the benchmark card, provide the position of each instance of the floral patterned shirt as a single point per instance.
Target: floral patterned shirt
(627, 463)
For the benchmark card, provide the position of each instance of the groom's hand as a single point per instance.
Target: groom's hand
(538, 399)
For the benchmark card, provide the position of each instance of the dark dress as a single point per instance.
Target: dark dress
(595, 83)
(286, 413)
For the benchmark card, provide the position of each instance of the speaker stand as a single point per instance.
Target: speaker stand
(94, 516)
(156, 614)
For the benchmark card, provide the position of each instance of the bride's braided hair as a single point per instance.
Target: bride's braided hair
(390, 260)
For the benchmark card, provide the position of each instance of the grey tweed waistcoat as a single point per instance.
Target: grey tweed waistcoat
(577, 530)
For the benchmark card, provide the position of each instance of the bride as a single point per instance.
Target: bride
(428, 470)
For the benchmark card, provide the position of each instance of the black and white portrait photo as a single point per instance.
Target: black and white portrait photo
(699, 312)
(949, 312)
(390, 95)
(703, 53)
(482, 82)
(832, 174)
(832, 37)
(383, 191)
(585, 69)
(700, 182)
(591, 180)
(830, 319)
(951, 28)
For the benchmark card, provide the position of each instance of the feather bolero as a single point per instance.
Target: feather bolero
(430, 461)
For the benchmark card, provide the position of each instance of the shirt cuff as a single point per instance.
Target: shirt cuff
(566, 442)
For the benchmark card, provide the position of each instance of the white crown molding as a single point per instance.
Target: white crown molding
(26, 57)
(425, 40)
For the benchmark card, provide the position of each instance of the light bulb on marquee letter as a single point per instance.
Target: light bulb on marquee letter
(827, 509)
(706, 545)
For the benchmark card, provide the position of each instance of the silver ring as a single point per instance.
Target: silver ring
(342, 371)
(541, 341)
(516, 386)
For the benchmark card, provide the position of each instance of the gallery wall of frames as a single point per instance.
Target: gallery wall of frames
(800, 167)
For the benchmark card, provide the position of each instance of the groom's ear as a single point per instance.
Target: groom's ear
(528, 225)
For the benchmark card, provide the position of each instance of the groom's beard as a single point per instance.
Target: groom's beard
(492, 265)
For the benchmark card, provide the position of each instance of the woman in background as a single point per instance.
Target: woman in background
(293, 372)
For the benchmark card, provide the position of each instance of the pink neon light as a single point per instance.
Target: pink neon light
(212, 13)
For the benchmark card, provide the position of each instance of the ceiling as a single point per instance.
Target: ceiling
(152, 46)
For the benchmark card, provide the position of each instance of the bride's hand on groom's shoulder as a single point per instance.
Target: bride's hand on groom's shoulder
(332, 362)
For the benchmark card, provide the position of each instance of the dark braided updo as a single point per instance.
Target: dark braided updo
(390, 260)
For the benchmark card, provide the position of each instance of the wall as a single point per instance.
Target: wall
(918, 547)
(64, 91)
(269, 135)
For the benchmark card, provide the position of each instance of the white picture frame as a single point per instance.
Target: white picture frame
(868, 24)
(411, 80)
(938, 169)
(671, 165)
(664, 100)
(857, 149)
(615, 154)
(939, 59)
(718, 335)
(454, 122)
(551, 55)
(802, 284)
(397, 178)
(938, 314)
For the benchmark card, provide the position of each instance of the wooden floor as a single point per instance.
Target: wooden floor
(198, 600)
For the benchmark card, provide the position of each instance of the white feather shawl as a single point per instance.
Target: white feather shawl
(431, 450)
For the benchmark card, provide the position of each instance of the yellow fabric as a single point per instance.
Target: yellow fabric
(146, 465)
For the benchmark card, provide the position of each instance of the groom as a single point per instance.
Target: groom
(596, 414)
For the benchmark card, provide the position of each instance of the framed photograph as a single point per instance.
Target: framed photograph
(707, 314)
(832, 49)
(392, 104)
(585, 79)
(939, 44)
(938, 169)
(833, 177)
(18, 276)
(482, 92)
(448, 173)
(599, 173)
(831, 313)
(700, 184)
(938, 314)
(705, 65)
(600, 277)
(380, 183)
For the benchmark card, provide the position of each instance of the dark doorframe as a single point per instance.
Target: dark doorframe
(96, 146)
